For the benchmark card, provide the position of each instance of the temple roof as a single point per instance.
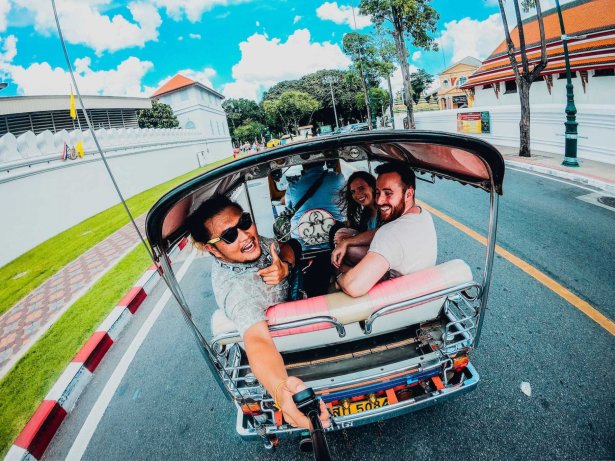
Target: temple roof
(594, 19)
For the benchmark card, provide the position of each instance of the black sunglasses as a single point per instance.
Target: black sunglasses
(231, 234)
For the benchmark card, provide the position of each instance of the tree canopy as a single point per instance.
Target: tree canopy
(420, 82)
(159, 116)
(290, 109)
(379, 99)
(413, 20)
(241, 112)
(344, 91)
(249, 131)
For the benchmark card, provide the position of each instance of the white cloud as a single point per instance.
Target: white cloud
(82, 22)
(193, 9)
(180, 38)
(470, 37)
(416, 55)
(5, 7)
(265, 62)
(258, 24)
(296, 19)
(41, 78)
(9, 46)
(195, 36)
(342, 14)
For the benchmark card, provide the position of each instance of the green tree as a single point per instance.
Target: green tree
(387, 53)
(344, 91)
(249, 131)
(525, 77)
(159, 116)
(406, 19)
(291, 109)
(379, 98)
(420, 82)
(366, 63)
(240, 111)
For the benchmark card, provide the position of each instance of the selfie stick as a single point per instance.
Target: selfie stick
(309, 405)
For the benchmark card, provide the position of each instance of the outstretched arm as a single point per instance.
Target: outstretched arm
(268, 366)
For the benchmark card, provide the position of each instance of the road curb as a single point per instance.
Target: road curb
(593, 181)
(61, 399)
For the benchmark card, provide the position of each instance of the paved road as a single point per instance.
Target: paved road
(166, 406)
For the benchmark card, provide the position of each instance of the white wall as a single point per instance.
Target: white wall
(41, 195)
(596, 127)
(598, 90)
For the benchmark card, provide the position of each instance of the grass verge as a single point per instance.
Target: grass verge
(25, 386)
(30, 270)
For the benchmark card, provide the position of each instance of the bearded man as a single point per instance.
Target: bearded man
(407, 241)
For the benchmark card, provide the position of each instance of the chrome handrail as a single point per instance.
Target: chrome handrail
(367, 329)
(341, 329)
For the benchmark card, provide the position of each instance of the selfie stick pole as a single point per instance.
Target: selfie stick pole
(309, 405)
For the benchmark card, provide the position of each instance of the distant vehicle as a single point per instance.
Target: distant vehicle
(352, 128)
(359, 127)
(273, 142)
(325, 130)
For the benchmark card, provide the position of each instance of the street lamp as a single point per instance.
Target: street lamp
(331, 79)
(570, 152)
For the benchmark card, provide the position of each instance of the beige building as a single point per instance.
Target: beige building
(450, 95)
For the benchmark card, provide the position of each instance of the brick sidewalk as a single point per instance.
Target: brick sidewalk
(31, 317)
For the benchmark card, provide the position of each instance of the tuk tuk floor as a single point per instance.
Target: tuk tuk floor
(33, 315)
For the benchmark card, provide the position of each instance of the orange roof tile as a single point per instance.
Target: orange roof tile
(177, 82)
(593, 18)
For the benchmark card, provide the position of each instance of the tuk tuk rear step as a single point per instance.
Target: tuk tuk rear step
(455, 388)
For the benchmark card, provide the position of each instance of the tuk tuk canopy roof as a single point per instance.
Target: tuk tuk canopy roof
(460, 158)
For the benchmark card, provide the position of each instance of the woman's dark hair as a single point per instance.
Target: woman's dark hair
(207, 210)
(355, 215)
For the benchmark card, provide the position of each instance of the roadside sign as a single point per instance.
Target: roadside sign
(473, 122)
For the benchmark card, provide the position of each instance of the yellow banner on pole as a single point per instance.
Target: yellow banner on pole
(73, 109)
(79, 148)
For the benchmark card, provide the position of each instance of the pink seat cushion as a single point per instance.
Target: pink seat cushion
(348, 310)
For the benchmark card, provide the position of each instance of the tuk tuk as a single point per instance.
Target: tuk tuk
(402, 347)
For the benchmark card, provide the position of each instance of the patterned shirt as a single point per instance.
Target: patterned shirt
(241, 293)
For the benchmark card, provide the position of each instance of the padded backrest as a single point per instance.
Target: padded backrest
(348, 310)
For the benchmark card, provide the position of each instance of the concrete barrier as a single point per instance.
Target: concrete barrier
(44, 195)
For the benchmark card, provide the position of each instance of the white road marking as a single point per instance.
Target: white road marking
(96, 413)
(563, 181)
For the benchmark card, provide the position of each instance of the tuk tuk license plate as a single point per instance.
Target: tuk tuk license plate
(358, 407)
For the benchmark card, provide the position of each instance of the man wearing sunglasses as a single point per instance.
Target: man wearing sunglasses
(249, 274)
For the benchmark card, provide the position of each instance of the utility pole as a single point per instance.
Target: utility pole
(570, 153)
(331, 79)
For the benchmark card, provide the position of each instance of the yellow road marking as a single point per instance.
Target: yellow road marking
(547, 281)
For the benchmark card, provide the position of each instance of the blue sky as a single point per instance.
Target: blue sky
(239, 47)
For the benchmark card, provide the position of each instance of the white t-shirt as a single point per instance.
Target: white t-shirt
(408, 243)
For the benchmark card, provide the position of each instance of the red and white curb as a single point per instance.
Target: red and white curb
(61, 399)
